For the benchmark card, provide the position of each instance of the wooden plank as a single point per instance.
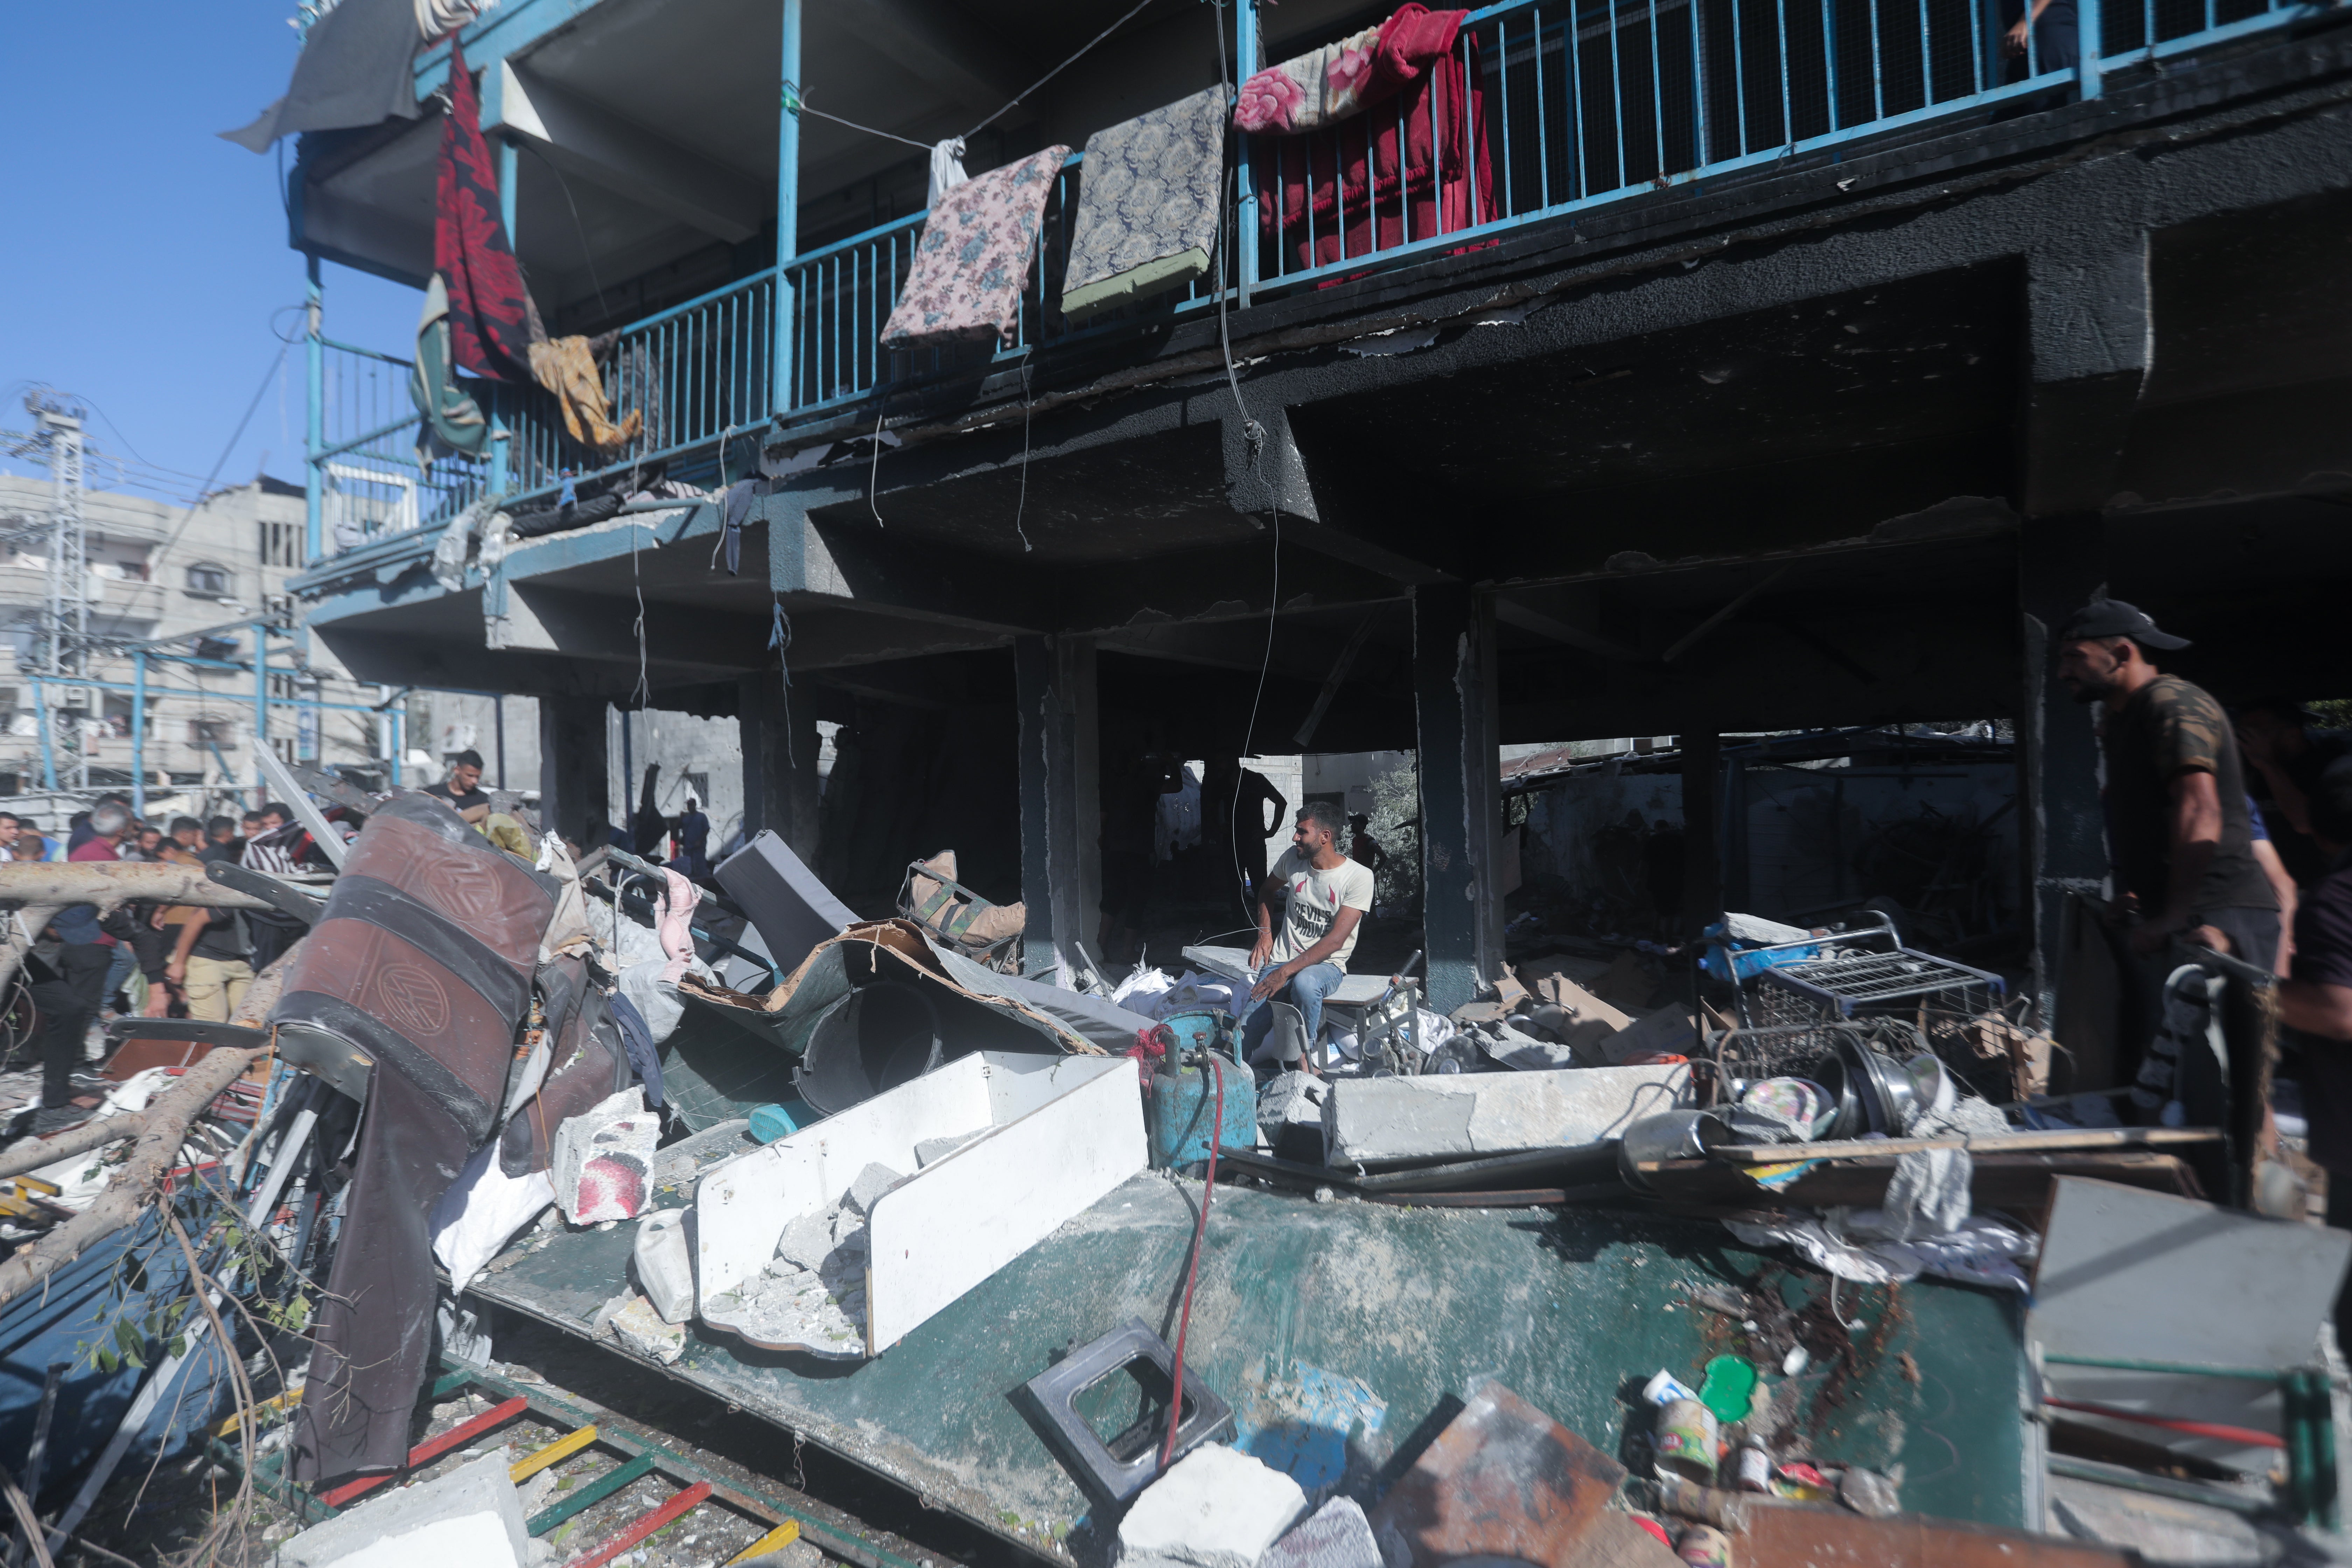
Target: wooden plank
(2051, 1141)
(776, 1539)
(691, 1498)
(1789, 1536)
(592, 1494)
(555, 1453)
(432, 1448)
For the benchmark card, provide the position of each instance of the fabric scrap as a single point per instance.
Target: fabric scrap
(490, 317)
(1327, 85)
(1853, 1246)
(1422, 171)
(568, 370)
(436, 19)
(676, 935)
(638, 1040)
(480, 1211)
(452, 421)
(1147, 217)
(947, 170)
(964, 287)
(353, 70)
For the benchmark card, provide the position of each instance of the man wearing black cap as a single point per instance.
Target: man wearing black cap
(2181, 837)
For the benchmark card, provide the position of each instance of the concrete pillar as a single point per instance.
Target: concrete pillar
(2061, 562)
(780, 753)
(573, 793)
(1456, 729)
(1702, 755)
(1054, 688)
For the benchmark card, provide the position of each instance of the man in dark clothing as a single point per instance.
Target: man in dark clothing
(71, 998)
(2316, 1000)
(693, 841)
(2287, 757)
(462, 789)
(221, 842)
(188, 834)
(2182, 844)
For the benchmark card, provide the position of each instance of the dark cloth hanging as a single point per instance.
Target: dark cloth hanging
(422, 962)
(353, 70)
(587, 1066)
(489, 311)
(1350, 178)
(644, 1057)
(452, 420)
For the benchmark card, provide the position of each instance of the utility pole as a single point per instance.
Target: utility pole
(65, 628)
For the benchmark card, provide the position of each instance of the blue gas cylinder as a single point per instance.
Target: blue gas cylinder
(1183, 1107)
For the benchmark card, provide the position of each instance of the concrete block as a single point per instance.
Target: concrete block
(1216, 1507)
(1460, 1115)
(807, 1242)
(469, 1518)
(602, 1158)
(870, 1184)
(932, 1150)
(641, 1329)
(664, 1261)
(1338, 1536)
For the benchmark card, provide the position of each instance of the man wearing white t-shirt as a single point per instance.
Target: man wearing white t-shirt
(1325, 895)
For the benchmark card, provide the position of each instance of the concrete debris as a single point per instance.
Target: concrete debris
(641, 1329)
(1215, 1508)
(1388, 1118)
(1868, 1493)
(664, 1261)
(601, 1159)
(1338, 1536)
(870, 1184)
(931, 1151)
(1290, 1115)
(469, 1518)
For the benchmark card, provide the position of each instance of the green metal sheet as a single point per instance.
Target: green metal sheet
(1311, 1318)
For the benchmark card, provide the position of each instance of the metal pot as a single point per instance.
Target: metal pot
(1669, 1135)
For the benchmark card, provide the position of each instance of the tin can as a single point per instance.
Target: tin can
(1755, 1469)
(1704, 1546)
(1685, 1439)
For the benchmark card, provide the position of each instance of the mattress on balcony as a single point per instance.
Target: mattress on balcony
(1147, 217)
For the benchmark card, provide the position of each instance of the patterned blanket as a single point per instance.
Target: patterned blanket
(973, 261)
(1147, 205)
(1325, 85)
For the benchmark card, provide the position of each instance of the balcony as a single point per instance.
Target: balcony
(1580, 106)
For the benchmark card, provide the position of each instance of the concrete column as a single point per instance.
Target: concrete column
(2061, 562)
(2090, 342)
(1702, 756)
(1456, 729)
(1054, 688)
(574, 794)
(780, 753)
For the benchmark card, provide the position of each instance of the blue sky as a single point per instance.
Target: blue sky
(145, 257)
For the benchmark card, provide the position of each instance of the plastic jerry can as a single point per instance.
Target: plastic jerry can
(1182, 1111)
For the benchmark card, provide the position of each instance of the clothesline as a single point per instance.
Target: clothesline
(796, 103)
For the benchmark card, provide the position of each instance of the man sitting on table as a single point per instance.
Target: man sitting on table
(1325, 895)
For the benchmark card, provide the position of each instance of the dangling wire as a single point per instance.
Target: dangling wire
(644, 693)
(780, 638)
(1022, 504)
(874, 471)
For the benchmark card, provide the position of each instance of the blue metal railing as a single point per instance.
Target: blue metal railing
(1571, 104)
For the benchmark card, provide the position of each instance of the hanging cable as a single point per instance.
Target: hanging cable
(1058, 70)
(1021, 505)
(874, 471)
(780, 637)
(1193, 1270)
(796, 103)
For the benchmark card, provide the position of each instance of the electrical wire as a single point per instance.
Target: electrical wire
(799, 105)
(1021, 505)
(203, 489)
(1193, 1270)
(1066, 65)
(587, 253)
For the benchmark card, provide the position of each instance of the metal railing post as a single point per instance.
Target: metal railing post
(49, 746)
(788, 203)
(2087, 46)
(139, 733)
(314, 429)
(260, 703)
(1246, 64)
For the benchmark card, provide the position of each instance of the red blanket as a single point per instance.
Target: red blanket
(489, 331)
(1362, 193)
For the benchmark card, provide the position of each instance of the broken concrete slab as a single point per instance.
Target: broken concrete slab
(469, 1518)
(931, 1150)
(1370, 1122)
(1338, 1536)
(601, 1159)
(641, 1329)
(1215, 1508)
(872, 1182)
(1290, 1116)
(791, 908)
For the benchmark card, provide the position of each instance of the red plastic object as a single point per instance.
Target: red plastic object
(691, 1496)
(1153, 1044)
(1655, 1528)
(2246, 1435)
(430, 1449)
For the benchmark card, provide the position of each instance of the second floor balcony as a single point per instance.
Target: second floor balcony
(641, 178)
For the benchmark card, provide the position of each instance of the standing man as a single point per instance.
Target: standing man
(2181, 838)
(462, 789)
(71, 999)
(221, 842)
(188, 834)
(693, 841)
(2315, 999)
(2276, 736)
(1325, 895)
(276, 848)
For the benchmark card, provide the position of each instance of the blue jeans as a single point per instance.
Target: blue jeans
(1306, 992)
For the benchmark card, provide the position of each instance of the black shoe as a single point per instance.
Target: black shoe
(49, 1121)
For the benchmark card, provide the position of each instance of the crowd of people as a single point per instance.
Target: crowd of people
(155, 959)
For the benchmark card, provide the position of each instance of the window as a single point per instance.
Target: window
(205, 578)
(281, 544)
(211, 731)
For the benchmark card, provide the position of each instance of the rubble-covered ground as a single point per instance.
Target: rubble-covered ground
(157, 1519)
